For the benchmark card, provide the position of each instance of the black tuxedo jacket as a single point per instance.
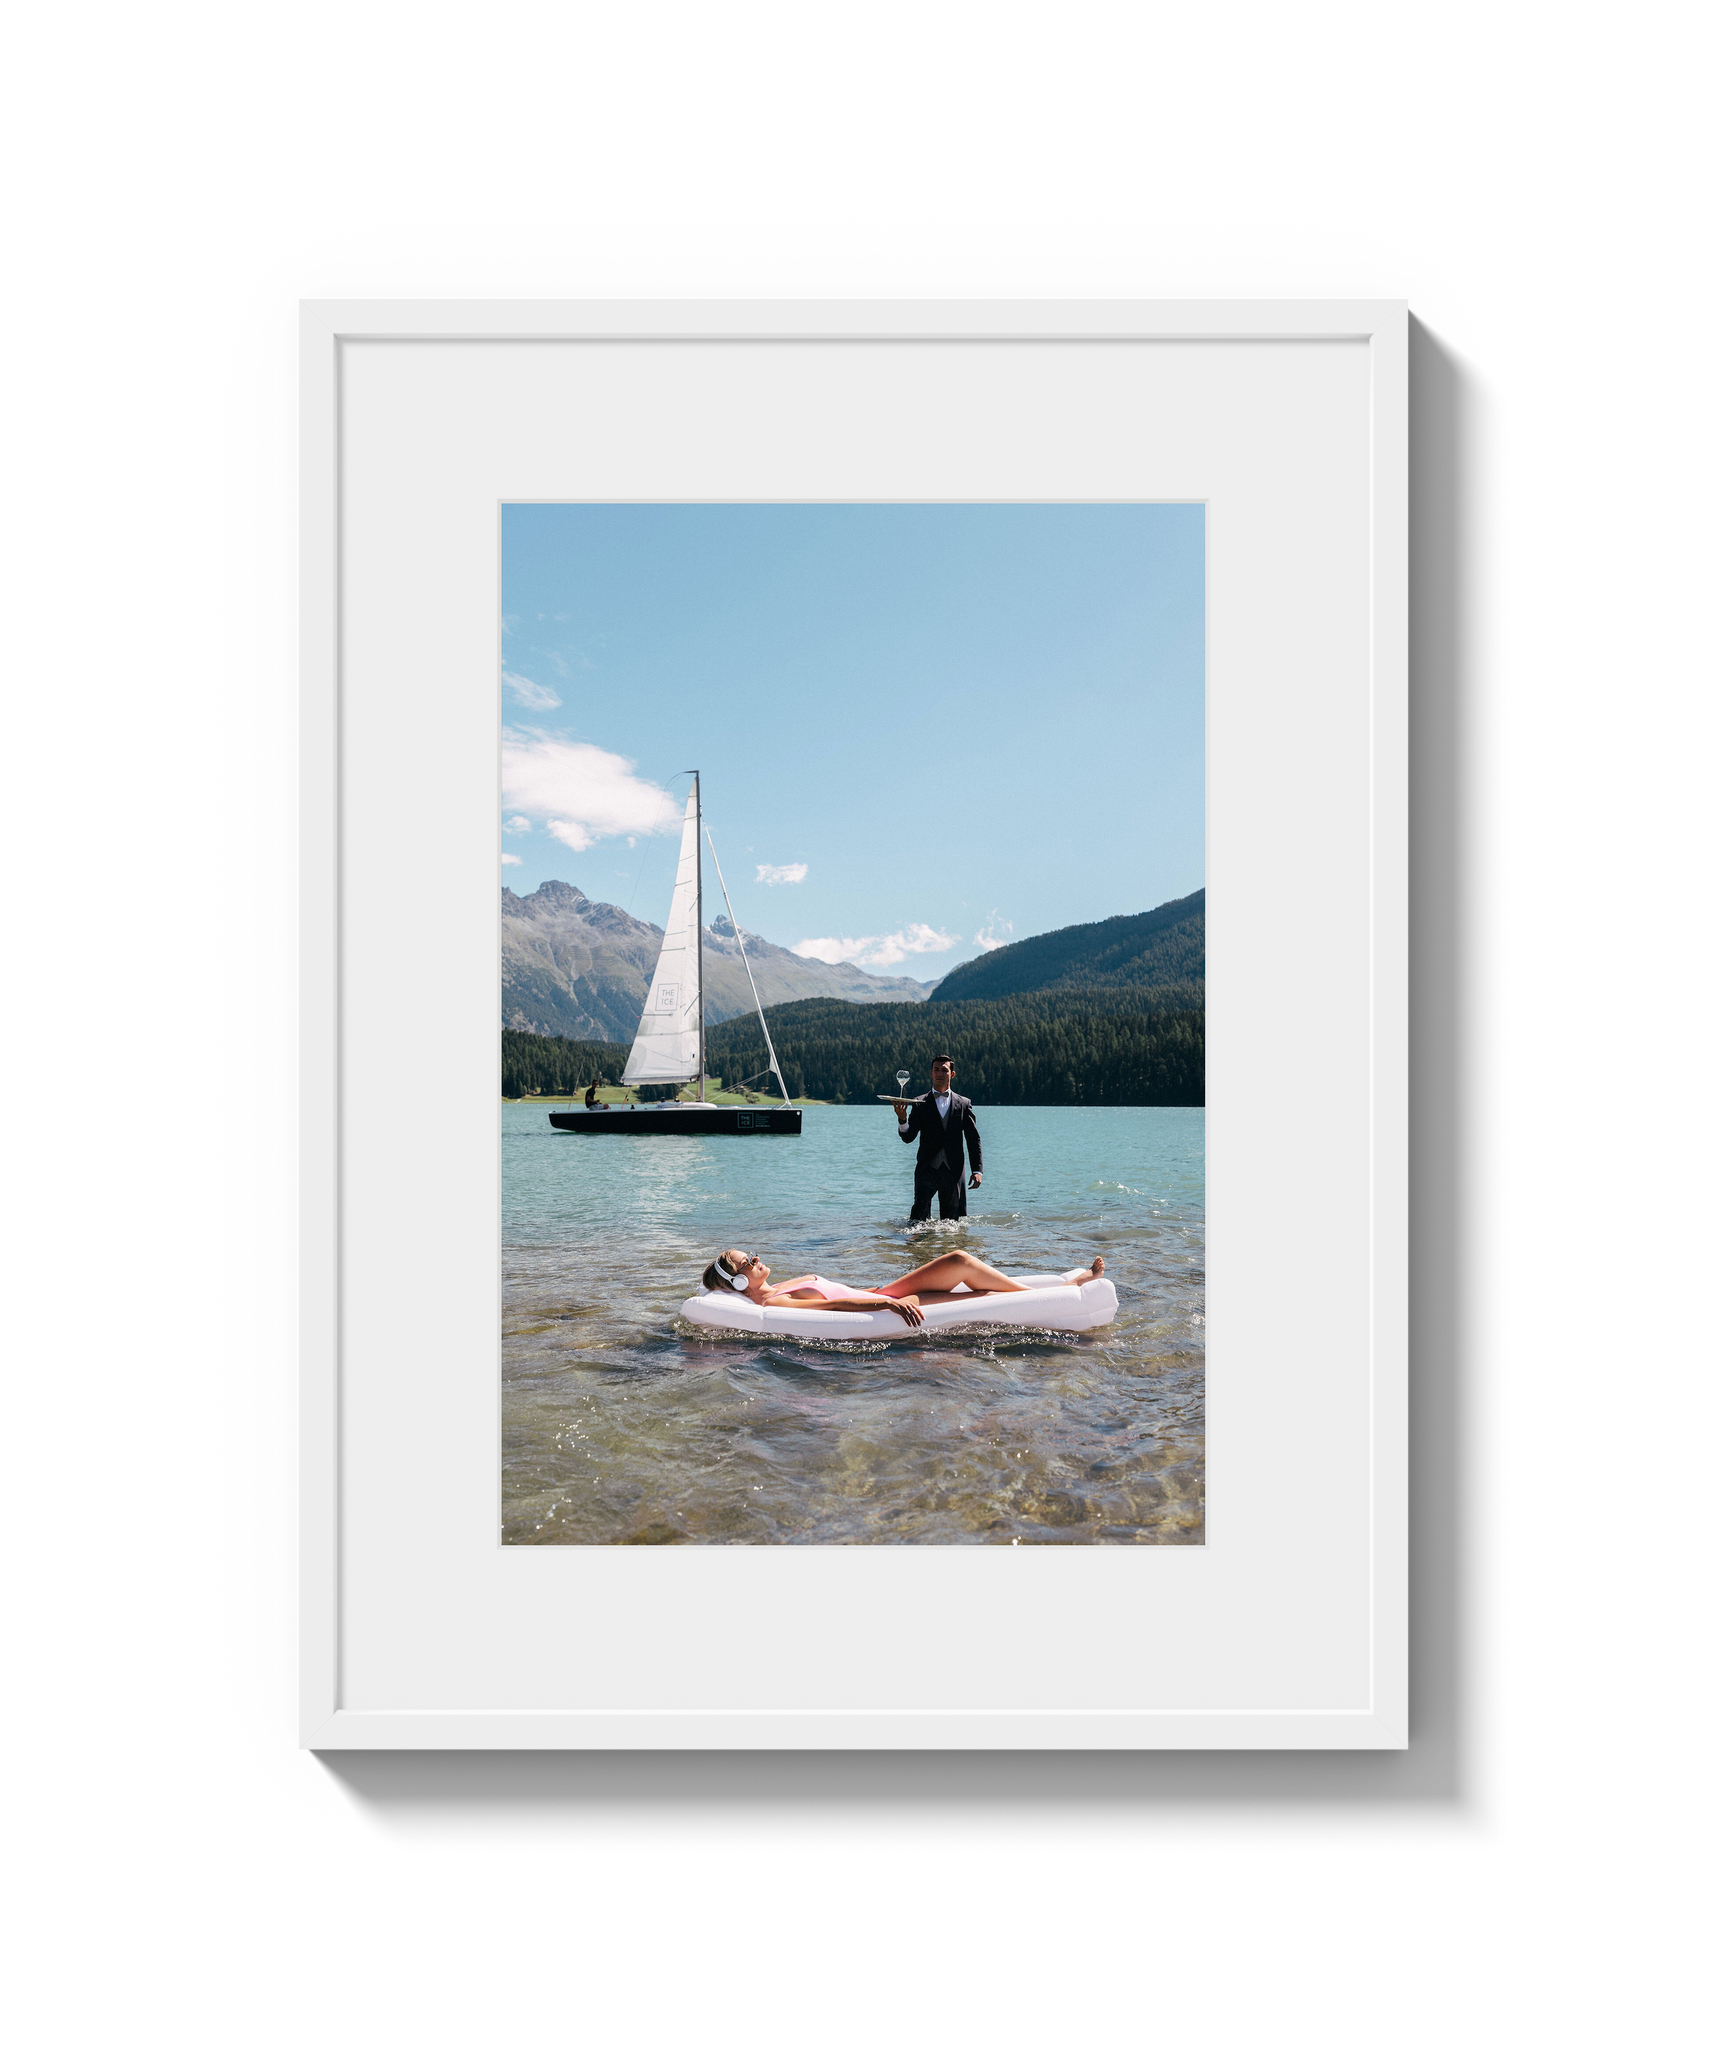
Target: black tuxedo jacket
(958, 1135)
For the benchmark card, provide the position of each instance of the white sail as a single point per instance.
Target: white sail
(670, 1033)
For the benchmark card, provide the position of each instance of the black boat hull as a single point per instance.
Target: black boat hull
(680, 1120)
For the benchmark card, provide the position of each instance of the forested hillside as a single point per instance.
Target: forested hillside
(1162, 950)
(1110, 1046)
(534, 1064)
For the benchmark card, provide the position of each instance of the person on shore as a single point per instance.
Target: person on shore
(907, 1297)
(947, 1132)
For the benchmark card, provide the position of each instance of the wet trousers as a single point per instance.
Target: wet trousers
(949, 1189)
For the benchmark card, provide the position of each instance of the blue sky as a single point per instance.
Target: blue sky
(923, 729)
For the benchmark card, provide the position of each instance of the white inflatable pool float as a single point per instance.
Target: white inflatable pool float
(1052, 1304)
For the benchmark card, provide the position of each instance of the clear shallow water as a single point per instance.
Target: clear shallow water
(624, 1424)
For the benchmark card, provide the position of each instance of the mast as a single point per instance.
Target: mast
(698, 813)
(769, 1047)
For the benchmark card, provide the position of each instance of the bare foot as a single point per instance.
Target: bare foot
(1090, 1272)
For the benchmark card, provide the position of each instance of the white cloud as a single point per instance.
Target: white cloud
(795, 871)
(998, 931)
(517, 825)
(581, 793)
(535, 696)
(888, 950)
(511, 860)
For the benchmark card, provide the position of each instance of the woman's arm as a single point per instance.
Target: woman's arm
(906, 1305)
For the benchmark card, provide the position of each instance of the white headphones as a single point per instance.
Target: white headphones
(738, 1281)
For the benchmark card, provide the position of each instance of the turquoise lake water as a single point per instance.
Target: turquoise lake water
(622, 1423)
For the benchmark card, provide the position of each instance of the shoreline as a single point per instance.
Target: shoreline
(723, 1097)
(618, 1098)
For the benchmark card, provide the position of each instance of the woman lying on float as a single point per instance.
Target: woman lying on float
(907, 1297)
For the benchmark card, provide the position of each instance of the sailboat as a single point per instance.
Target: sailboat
(670, 1041)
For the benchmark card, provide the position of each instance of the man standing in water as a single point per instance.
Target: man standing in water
(945, 1127)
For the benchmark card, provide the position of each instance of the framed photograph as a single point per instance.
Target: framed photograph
(788, 1260)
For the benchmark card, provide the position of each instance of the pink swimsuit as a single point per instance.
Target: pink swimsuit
(831, 1290)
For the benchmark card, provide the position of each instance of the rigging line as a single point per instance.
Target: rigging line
(775, 1064)
(653, 861)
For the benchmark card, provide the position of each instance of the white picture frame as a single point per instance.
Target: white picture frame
(1289, 1627)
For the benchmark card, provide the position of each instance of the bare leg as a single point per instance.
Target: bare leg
(941, 1275)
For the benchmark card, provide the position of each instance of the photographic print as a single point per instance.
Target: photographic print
(852, 1023)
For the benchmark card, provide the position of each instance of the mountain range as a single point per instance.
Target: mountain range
(1157, 950)
(578, 969)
